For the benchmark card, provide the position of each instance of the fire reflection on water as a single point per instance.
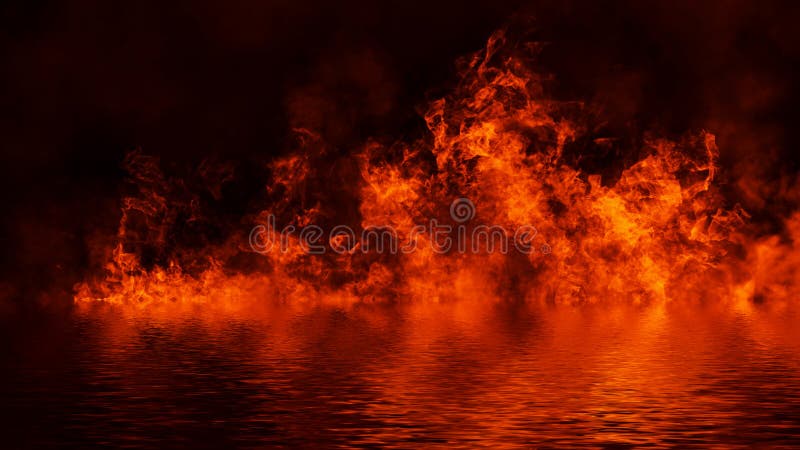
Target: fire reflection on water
(397, 376)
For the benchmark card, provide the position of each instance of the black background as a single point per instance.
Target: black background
(84, 82)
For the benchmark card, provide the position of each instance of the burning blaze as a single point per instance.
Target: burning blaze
(651, 226)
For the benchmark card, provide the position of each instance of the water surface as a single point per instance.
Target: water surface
(405, 377)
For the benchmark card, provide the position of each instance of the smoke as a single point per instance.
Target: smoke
(194, 82)
(668, 67)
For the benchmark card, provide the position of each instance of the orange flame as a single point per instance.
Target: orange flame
(659, 231)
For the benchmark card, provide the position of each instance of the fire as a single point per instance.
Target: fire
(657, 230)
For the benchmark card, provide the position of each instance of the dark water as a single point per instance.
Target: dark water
(409, 377)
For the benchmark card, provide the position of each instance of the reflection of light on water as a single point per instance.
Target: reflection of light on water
(466, 373)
